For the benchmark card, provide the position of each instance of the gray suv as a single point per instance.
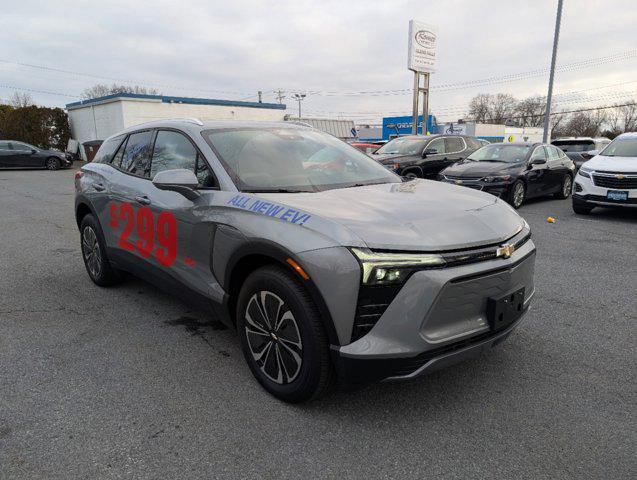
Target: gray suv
(331, 268)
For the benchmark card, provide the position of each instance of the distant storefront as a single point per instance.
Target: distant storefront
(397, 126)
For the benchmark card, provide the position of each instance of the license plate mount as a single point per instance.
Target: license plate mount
(503, 311)
(617, 195)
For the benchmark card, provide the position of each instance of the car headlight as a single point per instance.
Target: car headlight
(585, 172)
(393, 268)
(501, 178)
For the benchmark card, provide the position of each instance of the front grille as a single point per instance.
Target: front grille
(607, 181)
(372, 303)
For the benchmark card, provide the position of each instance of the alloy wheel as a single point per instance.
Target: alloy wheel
(273, 337)
(518, 194)
(566, 187)
(91, 251)
(51, 164)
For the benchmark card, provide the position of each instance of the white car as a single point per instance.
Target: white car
(610, 178)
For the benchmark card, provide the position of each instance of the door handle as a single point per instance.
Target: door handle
(99, 187)
(143, 200)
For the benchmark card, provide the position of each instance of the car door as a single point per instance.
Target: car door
(435, 158)
(454, 150)
(183, 242)
(6, 155)
(537, 173)
(125, 186)
(26, 156)
(557, 169)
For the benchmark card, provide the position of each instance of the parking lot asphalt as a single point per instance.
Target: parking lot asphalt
(129, 382)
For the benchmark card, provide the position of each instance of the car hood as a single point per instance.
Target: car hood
(419, 215)
(480, 169)
(387, 159)
(613, 164)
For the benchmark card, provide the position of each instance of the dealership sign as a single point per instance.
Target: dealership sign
(423, 44)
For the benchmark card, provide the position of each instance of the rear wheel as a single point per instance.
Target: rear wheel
(96, 262)
(567, 186)
(518, 194)
(282, 337)
(52, 163)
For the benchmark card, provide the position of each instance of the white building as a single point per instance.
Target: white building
(99, 118)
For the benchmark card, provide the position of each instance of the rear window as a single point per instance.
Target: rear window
(575, 145)
(107, 149)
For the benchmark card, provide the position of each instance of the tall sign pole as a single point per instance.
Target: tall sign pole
(414, 112)
(423, 45)
(549, 96)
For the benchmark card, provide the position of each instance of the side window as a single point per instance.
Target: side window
(107, 150)
(553, 154)
(204, 175)
(136, 158)
(4, 146)
(172, 150)
(539, 153)
(437, 145)
(454, 144)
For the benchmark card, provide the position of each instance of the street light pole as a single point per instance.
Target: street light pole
(298, 97)
(549, 96)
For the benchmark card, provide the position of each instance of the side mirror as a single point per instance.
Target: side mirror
(429, 151)
(33, 150)
(538, 161)
(590, 154)
(179, 180)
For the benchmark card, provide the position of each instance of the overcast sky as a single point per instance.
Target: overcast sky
(232, 49)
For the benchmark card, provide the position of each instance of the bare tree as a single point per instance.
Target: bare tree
(479, 107)
(628, 115)
(21, 100)
(101, 90)
(530, 111)
(502, 108)
(585, 124)
(487, 108)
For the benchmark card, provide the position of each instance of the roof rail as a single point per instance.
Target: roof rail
(300, 123)
(191, 120)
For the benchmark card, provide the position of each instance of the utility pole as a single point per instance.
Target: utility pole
(280, 95)
(260, 93)
(299, 97)
(549, 96)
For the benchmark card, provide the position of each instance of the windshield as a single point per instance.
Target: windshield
(575, 145)
(402, 146)
(500, 153)
(293, 159)
(621, 147)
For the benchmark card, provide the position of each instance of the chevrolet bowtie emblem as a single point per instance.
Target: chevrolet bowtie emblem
(458, 182)
(505, 250)
(620, 176)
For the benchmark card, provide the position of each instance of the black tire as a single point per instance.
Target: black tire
(97, 265)
(52, 163)
(299, 347)
(565, 187)
(581, 208)
(515, 200)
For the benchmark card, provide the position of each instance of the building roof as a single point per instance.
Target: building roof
(168, 99)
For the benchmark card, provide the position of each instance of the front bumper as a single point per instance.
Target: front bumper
(586, 191)
(499, 189)
(438, 318)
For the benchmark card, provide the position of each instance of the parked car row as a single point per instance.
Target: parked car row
(512, 171)
(581, 149)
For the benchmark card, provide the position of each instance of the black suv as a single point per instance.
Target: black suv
(424, 156)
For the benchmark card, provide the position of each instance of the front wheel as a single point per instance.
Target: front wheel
(581, 208)
(517, 195)
(282, 337)
(52, 163)
(565, 190)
